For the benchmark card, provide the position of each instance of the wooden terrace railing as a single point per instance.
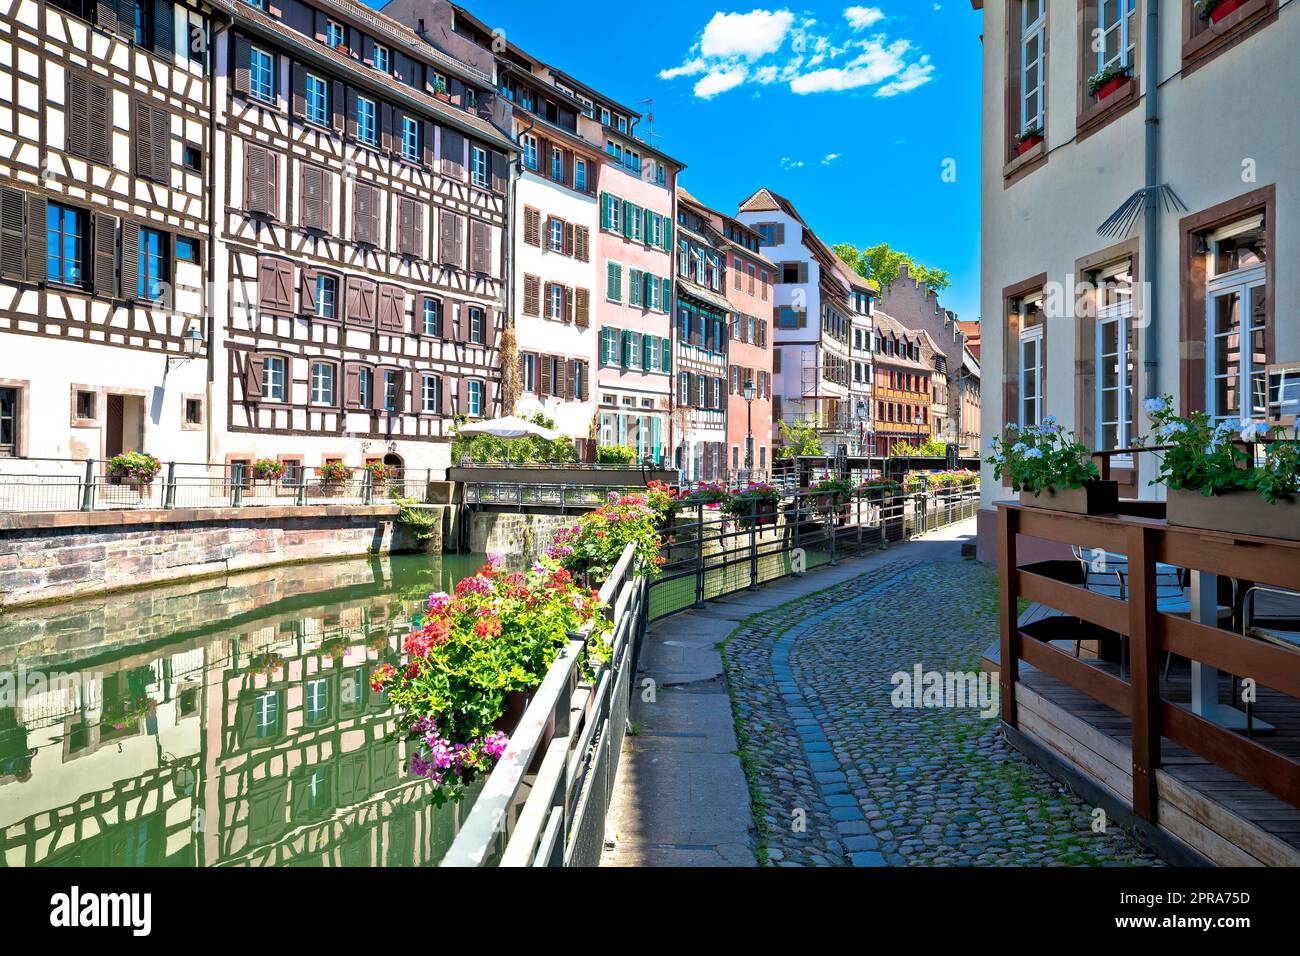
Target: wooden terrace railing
(1147, 541)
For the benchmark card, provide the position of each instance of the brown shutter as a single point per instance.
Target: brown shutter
(392, 308)
(37, 236)
(243, 65)
(307, 292)
(310, 214)
(77, 115)
(100, 123)
(566, 295)
(427, 135)
(327, 202)
(498, 172)
(255, 160)
(143, 139)
(532, 226)
(104, 265)
(272, 184)
(405, 225)
(399, 389)
(338, 105)
(161, 134)
(129, 261)
(352, 385)
(298, 84)
(360, 299)
(267, 276)
(581, 317)
(545, 362)
(447, 238)
(453, 153)
(387, 121)
(582, 244)
(284, 285)
(568, 239)
(361, 217)
(480, 252)
(253, 377)
(106, 15)
(13, 238)
(352, 113)
(462, 396)
(532, 304)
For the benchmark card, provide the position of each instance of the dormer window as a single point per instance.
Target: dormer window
(336, 34)
(382, 63)
(439, 84)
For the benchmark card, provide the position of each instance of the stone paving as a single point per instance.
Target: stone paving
(838, 776)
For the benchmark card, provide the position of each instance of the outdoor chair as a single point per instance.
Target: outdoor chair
(1279, 626)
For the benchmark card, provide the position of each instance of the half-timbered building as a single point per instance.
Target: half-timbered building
(104, 189)
(364, 195)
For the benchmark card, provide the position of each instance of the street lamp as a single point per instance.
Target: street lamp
(191, 341)
(749, 392)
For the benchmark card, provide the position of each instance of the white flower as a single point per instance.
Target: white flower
(1034, 453)
(1155, 406)
(1254, 431)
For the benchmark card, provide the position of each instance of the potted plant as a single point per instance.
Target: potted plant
(332, 475)
(474, 656)
(1051, 469)
(138, 468)
(713, 496)
(755, 504)
(268, 470)
(1216, 10)
(1219, 479)
(829, 495)
(876, 488)
(266, 663)
(1112, 78)
(1029, 137)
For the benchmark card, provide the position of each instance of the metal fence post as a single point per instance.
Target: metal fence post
(169, 499)
(237, 501)
(831, 516)
(699, 556)
(368, 487)
(753, 544)
(300, 496)
(88, 489)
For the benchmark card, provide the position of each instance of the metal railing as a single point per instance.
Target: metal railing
(545, 802)
(539, 495)
(58, 484)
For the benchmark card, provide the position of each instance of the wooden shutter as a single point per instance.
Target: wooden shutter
(362, 213)
(581, 308)
(352, 113)
(13, 239)
(392, 308)
(360, 302)
(453, 153)
(532, 303)
(405, 226)
(255, 178)
(568, 239)
(498, 172)
(566, 304)
(479, 248)
(545, 362)
(243, 65)
(417, 230)
(106, 14)
(387, 120)
(99, 123)
(129, 260)
(77, 116)
(352, 385)
(104, 265)
(253, 377)
(37, 235)
(338, 105)
(427, 144)
(582, 243)
(161, 135)
(307, 292)
(311, 202)
(532, 226)
(164, 29)
(298, 86)
(449, 229)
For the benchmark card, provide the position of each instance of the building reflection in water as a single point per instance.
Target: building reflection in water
(218, 724)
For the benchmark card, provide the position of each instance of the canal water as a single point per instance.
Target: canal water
(219, 722)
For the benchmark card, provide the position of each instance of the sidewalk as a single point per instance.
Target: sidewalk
(680, 797)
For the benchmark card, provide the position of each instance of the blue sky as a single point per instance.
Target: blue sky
(848, 110)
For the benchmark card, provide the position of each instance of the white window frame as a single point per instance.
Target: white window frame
(1032, 34)
(1034, 335)
(368, 133)
(318, 383)
(275, 387)
(530, 152)
(1119, 314)
(1115, 18)
(330, 283)
(1239, 282)
(381, 53)
(555, 302)
(264, 92)
(317, 94)
(430, 394)
(555, 235)
(479, 167)
(474, 398)
(410, 139)
(580, 174)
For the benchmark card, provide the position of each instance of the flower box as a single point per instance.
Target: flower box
(1225, 8)
(1092, 498)
(1111, 86)
(1025, 145)
(1235, 512)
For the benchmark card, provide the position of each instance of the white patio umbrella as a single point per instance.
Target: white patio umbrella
(509, 427)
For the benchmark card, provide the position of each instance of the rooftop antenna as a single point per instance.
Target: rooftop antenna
(649, 118)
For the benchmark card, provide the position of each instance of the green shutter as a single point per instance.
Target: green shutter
(666, 355)
(645, 351)
(627, 219)
(666, 305)
(668, 235)
(604, 211)
(634, 287)
(646, 216)
(626, 350)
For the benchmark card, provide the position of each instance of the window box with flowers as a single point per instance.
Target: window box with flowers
(754, 505)
(1052, 470)
(333, 476)
(1029, 137)
(136, 468)
(268, 470)
(1217, 10)
(1110, 80)
(1235, 476)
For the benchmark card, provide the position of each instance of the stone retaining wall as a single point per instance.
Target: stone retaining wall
(57, 556)
(514, 533)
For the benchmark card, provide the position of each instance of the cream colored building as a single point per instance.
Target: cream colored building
(1082, 323)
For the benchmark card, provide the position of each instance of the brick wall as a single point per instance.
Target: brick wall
(46, 557)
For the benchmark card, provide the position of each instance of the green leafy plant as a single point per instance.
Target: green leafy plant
(615, 455)
(497, 635)
(799, 439)
(268, 469)
(593, 546)
(136, 465)
(752, 503)
(1029, 132)
(877, 488)
(1038, 458)
(420, 521)
(1098, 80)
(1216, 459)
(882, 265)
(930, 448)
(1204, 8)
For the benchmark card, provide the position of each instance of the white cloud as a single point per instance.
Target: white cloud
(830, 158)
(763, 47)
(862, 17)
(788, 163)
(746, 35)
(719, 80)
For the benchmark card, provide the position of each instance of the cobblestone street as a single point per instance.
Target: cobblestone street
(840, 776)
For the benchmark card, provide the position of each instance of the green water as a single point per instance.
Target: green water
(219, 722)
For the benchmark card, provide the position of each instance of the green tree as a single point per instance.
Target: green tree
(801, 439)
(483, 448)
(881, 265)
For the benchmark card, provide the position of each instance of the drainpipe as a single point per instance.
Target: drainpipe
(211, 323)
(1151, 84)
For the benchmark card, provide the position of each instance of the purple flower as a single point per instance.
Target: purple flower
(438, 600)
(494, 744)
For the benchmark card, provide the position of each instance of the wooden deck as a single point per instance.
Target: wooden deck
(1221, 817)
